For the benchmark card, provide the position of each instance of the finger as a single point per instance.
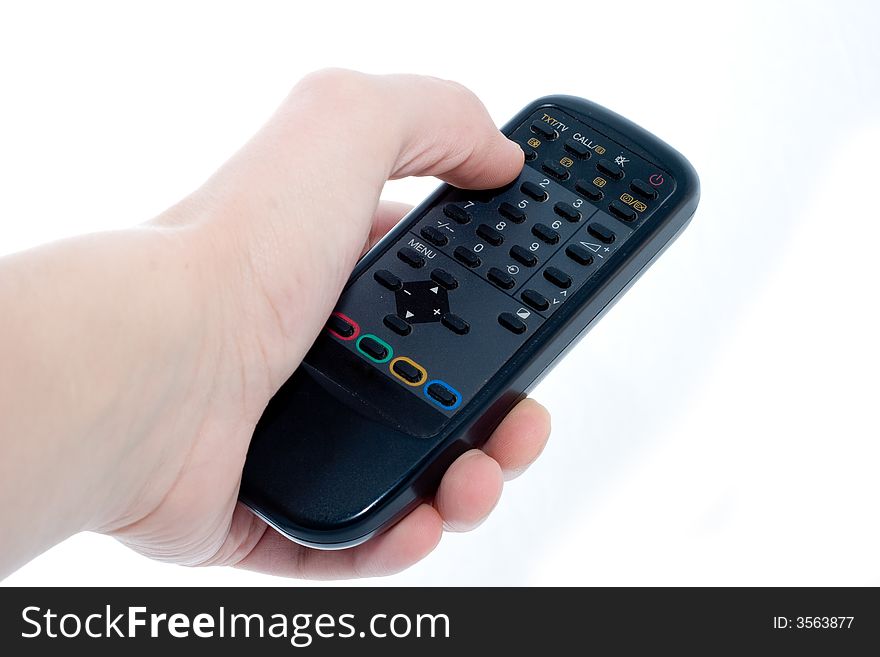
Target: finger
(469, 491)
(520, 438)
(410, 125)
(407, 542)
(386, 217)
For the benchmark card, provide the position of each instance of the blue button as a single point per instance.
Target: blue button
(442, 394)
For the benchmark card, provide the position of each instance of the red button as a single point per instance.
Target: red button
(343, 326)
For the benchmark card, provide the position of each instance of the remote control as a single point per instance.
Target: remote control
(456, 314)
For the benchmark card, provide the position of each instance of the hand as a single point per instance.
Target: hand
(183, 329)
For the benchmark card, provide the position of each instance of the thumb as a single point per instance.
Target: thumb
(297, 201)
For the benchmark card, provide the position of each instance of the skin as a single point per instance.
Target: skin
(136, 363)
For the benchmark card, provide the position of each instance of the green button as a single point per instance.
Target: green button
(375, 349)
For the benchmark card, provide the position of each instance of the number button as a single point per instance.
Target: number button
(523, 256)
(456, 213)
(567, 211)
(512, 213)
(467, 257)
(533, 191)
(545, 233)
(489, 234)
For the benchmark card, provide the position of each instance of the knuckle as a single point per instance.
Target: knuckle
(463, 93)
(332, 85)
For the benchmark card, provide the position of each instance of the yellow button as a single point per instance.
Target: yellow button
(408, 371)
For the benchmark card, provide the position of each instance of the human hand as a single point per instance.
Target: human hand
(224, 294)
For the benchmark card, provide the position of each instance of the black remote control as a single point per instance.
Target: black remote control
(460, 310)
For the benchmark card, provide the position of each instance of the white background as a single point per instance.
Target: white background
(719, 426)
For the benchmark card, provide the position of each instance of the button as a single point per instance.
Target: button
(567, 211)
(656, 180)
(466, 256)
(455, 324)
(442, 394)
(456, 213)
(434, 235)
(558, 277)
(545, 233)
(512, 323)
(530, 153)
(408, 371)
(541, 128)
(387, 279)
(579, 254)
(373, 348)
(421, 302)
(501, 278)
(489, 234)
(601, 233)
(610, 169)
(555, 169)
(397, 325)
(589, 190)
(411, 257)
(523, 256)
(342, 326)
(532, 190)
(535, 299)
(445, 279)
(643, 189)
(512, 212)
(622, 211)
(577, 149)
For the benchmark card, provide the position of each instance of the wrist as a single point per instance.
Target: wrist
(103, 338)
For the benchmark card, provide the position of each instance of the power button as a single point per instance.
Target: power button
(656, 180)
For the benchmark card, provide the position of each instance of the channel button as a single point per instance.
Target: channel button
(535, 299)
